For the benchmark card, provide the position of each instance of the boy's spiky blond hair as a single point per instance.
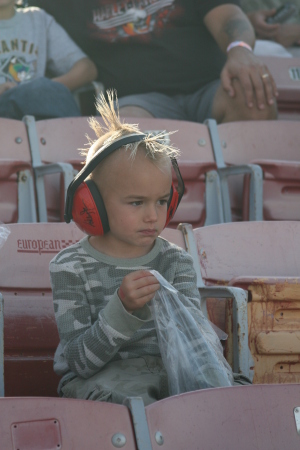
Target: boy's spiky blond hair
(156, 145)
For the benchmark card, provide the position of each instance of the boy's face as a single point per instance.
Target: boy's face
(135, 194)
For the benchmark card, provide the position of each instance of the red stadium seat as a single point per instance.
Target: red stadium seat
(274, 144)
(281, 189)
(50, 151)
(240, 417)
(213, 307)
(30, 332)
(29, 423)
(264, 259)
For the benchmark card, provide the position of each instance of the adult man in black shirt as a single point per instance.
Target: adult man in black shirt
(166, 58)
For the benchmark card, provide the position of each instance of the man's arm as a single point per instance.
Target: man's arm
(227, 23)
(84, 71)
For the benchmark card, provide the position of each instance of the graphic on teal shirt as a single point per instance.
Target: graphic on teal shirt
(17, 69)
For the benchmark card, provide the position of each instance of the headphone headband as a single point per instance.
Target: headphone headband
(101, 154)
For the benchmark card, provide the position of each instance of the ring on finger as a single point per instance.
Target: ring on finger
(265, 75)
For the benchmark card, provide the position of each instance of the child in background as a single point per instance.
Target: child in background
(33, 48)
(102, 286)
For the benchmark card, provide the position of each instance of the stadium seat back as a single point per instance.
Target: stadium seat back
(55, 423)
(281, 187)
(174, 236)
(275, 146)
(60, 140)
(264, 259)
(30, 332)
(247, 417)
(259, 249)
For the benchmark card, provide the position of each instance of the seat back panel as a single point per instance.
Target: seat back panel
(259, 249)
(250, 141)
(262, 258)
(31, 423)
(30, 332)
(246, 417)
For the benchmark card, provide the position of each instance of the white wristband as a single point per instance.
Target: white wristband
(238, 44)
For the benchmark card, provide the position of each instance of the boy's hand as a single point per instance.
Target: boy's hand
(137, 289)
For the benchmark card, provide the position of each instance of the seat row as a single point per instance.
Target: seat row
(247, 275)
(253, 266)
(264, 417)
(235, 171)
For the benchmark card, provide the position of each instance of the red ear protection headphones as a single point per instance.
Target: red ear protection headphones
(84, 203)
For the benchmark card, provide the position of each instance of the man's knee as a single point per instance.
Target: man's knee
(134, 111)
(229, 109)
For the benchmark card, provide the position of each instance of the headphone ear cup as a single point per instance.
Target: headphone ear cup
(172, 204)
(88, 209)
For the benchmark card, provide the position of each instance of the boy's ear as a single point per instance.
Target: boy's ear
(88, 210)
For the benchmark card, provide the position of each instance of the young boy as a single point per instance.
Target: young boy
(33, 45)
(102, 286)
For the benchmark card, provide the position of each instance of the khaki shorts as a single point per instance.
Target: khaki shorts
(195, 107)
(139, 377)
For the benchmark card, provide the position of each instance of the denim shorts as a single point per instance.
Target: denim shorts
(196, 107)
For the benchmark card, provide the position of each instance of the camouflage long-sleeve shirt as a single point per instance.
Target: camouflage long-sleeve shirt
(93, 325)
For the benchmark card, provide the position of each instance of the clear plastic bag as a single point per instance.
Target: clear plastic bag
(4, 233)
(191, 350)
